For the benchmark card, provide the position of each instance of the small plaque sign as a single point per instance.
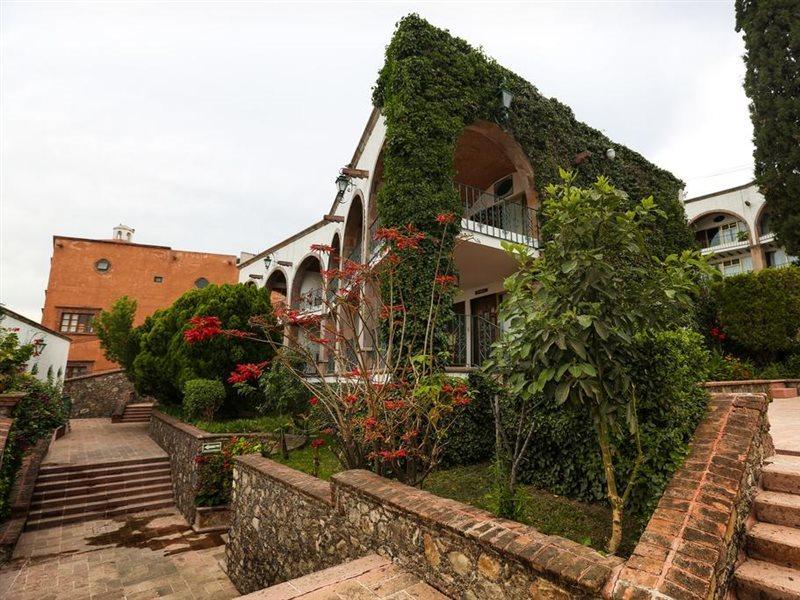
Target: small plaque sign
(211, 447)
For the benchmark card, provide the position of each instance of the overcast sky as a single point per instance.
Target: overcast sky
(221, 126)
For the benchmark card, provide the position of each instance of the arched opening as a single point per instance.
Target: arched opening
(334, 259)
(278, 290)
(372, 205)
(494, 179)
(352, 247)
(719, 229)
(764, 224)
(307, 284)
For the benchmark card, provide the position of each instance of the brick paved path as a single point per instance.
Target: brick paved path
(145, 555)
(784, 423)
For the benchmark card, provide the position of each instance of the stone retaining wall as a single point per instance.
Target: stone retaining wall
(690, 546)
(749, 386)
(287, 524)
(98, 394)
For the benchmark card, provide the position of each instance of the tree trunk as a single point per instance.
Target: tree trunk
(611, 485)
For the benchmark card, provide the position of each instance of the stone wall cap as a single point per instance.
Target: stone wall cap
(560, 558)
(748, 382)
(311, 486)
(93, 375)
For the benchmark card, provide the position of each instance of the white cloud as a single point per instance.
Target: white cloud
(221, 127)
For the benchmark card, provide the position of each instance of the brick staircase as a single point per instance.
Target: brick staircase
(74, 493)
(772, 570)
(780, 390)
(136, 413)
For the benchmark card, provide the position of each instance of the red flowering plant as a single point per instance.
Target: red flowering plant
(215, 471)
(378, 388)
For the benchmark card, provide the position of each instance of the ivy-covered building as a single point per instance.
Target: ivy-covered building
(453, 131)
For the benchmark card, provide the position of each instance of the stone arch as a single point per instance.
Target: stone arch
(306, 279)
(354, 230)
(277, 285)
(763, 213)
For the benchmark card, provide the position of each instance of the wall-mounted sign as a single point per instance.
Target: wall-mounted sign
(481, 291)
(211, 447)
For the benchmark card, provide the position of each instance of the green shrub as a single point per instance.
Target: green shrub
(726, 367)
(282, 392)
(470, 438)
(165, 361)
(670, 406)
(202, 398)
(114, 329)
(760, 313)
(215, 471)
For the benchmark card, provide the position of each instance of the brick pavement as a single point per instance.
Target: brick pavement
(149, 555)
(784, 421)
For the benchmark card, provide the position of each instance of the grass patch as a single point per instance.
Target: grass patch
(588, 524)
(268, 423)
(303, 460)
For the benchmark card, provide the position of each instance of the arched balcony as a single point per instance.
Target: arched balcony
(307, 285)
(278, 289)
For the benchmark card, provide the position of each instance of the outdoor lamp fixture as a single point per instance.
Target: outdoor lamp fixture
(611, 154)
(267, 261)
(342, 183)
(507, 97)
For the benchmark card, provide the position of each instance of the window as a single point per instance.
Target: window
(201, 283)
(102, 265)
(734, 266)
(158, 279)
(77, 322)
(76, 369)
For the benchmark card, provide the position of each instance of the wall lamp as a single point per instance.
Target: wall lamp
(507, 97)
(343, 182)
(267, 261)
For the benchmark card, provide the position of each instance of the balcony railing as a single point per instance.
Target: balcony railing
(726, 246)
(473, 336)
(310, 300)
(503, 218)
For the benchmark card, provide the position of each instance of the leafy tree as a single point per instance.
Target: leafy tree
(573, 316)
(166, 361)
(772, 38)
(115, 329)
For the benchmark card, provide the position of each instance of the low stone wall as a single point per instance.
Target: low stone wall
(287, 524)
(690, 545)
(750, 386)
(98, 394)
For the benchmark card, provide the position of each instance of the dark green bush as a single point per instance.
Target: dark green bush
(282, 392)
(165, 361)
(470, 438)
(202, 398)
(760, 313)
(563, 457)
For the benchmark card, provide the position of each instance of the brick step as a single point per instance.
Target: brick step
(782, 474)
(82, 484)
(101, 505)
(783, 392)
(99, 494)
(138, 411)
(134, 420)
(776, 544)
(98, 473)
(757, 580)
(48, 469)
(778, 508)
(34, 524)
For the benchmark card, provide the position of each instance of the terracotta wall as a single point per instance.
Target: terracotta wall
(76, 283)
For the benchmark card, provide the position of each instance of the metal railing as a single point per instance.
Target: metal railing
(503, 218)
(310, 300)
(473, 336)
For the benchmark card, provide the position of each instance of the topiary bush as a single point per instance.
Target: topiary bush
(202, 398)
(671, 403)
(165, 361)
(760, 313)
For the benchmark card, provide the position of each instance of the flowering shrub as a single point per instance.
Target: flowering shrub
(215, 471)
(389, 406)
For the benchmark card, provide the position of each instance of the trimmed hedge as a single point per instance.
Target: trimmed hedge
(202, 398)
(470, 438)
(564, 457)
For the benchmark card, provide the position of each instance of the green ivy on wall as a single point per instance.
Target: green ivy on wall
(431, 87)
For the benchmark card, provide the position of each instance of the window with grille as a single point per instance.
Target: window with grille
(77, 322)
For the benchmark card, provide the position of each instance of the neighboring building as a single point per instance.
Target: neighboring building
(51, 348)
(734, 231)
(87, 276)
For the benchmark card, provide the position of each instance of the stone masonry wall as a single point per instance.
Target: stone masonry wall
(287, 524)
(689, 548)
(749, 386)
(97, 395)
(182, 442)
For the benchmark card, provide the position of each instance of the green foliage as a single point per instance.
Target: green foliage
(36, 415)
(202, 398)
(215, 471)
(283, 392)
(760, 313)
(772, 39)
(671, 403)
(166, 361)
(726, 367)
(430, 88)
(13, 358)
(115, 330)
(470, 439)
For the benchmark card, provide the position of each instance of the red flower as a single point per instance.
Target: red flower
(370, 422)
(387, 311)
(351, 398)
(445, 280)
(445, 218)
(202, 328)
(392, 454)
(322, 248)
(317, 443)
(246, 371)
(394, 404)
(314, 401)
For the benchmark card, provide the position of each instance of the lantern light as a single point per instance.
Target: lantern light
(507, 97)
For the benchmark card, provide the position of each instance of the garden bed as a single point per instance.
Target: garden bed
(263, 424)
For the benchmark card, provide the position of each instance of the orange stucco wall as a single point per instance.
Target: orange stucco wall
(75, 283)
